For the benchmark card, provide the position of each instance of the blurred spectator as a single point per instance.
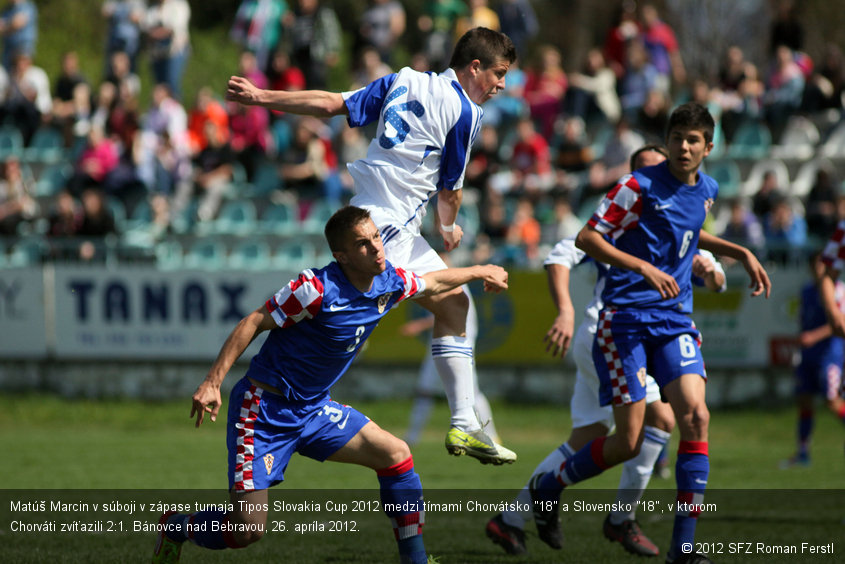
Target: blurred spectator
(573, 154)
(259, 28)
(161, 150)
(19, 27)
(480, 15)
(662, 47)
(97, 223)
(370, 67)
(116, 111)
(786, 29)
(206, 109)
(732, 69)
(249, 69)
(65, 217)
(315, 41)
(545, 88)
(640, 78)
(784, 90)
(350, 145)
(524, 233)
(745, 104)
(519, 22)
(785, 231)
(654, 116)
(17, 204)
(437, 23)
(381, 25)
(824, 89)
(123, 32)
(821, 204)
(567, 223)
(283, 75)
(743, 227)
(495, 220)
(71, 111)
(310, 163)
(618, 150)
(767, 195)
(505, 108)
(121, 74)
(29, 101)
(166, 26)
(592, 92)
(624, 30)
(485, 159)
(99, 157)
(249, 134)
(530, 168)
(212, 174)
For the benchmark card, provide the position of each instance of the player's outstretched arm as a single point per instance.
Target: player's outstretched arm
(760, 283)
(559, 337)
(319, 103)
(207, 397)
(495, 278)
(593, 243)
(827, 288)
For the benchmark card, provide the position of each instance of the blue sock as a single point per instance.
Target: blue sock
(201, 534)
(401, 496)
(586, 463)
(805, 429)
(691, 472)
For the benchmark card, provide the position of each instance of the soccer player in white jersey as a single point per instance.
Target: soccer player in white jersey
(317, 325)
(427, 123)
(591, 420)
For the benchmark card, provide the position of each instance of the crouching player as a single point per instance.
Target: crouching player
(317, 324)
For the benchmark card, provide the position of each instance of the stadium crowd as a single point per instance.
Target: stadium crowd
(91, 171)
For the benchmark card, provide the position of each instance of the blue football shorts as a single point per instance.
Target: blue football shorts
(265, 429)
(630, 344)
(822, 376)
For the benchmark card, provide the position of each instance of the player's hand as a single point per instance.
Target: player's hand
(451, 239)
(241, 90)
(664, 283)
(759, 278)
(702, 267)
(206, 399)
(559, 336)
(495, 278)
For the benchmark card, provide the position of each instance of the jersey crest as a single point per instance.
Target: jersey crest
(382, 301)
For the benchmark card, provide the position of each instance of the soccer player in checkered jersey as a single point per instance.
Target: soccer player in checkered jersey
(591, 420)
(427, 123)
(833, 257)
(317, 323)
(820, 370)
(654, 215)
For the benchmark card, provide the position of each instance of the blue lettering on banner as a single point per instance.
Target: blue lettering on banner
(155, 303)
(116, 302)
(232, 311)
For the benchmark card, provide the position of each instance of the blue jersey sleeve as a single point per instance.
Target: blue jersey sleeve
(453, 159)
(365, 104)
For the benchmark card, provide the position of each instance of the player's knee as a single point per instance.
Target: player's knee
(248, 537)
(398, 451)
(695, 422)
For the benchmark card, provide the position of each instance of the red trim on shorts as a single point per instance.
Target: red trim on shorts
(397, 469)
(692, 447)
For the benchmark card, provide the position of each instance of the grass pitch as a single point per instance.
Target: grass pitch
(86, 454)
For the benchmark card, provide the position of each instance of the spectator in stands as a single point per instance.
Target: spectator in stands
(530, 163)
(519, 22)
(743, 227)
(259, 28)
(350, 145)
(120, 73)
(19, 28)
(485, 159)
(821, 204)
(212, 174)
(370, 67)
(662, 46)
(206, 109)
(825, 88)
(437, 24)
(65, 217)
(480, 15)
(161, 150)
(524, 233)
(97, 223)
(310, 162)
(653, 116)
(573, 153)
(380, 26)
(249, 69)
(545, 88)
(249, 137)
(785, 231)
(17, 204)
(99, 158)
(769, 193)
(786, 29)
(503, 110)
(592, 92)
(283, 75)
(638, 79)
(166, 27)
(784, 90)
(567, 223)
(621, 33)
(123, 32)
(315, 41)
(744, 104)
(71, 112)
(29, 101)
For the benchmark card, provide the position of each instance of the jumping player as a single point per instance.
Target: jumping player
(317, 324)
(590, 419)
(426, 126)
(655, 217)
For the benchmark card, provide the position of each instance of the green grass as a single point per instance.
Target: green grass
(145, 452)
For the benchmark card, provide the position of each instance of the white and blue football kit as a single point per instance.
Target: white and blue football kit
(652, 215)
(323, 321)
(426, 127)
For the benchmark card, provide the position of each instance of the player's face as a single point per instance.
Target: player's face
(486, 82)
(687, 149)
(364, 253)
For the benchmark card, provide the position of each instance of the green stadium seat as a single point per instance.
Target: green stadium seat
(726, 172)
(46, 146)
(169, 255)
(250, 255)
(11, 143)
(279, 218)
(318, 214)
(294, 255)
(52, 179)
(236, 217)
(751, 140)
(206, 254)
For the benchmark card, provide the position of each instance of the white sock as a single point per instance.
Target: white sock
(485, 414)
(453, 359)
(552, 462)
(637, 472)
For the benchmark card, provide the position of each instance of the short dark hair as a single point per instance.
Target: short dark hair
(692, 115)
(341, 223)
(650, 147)
(484, 44)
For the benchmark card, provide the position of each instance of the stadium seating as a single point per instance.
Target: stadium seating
(798, 140)
(251, 254)
(11, 143)
(52, 179)
(265, 180)
(751, 140)
(318, 214)
(47, 146)
(294, 255)
(279, 218)
(834, 145)
(206, 254)
(236, 217)
(28, 251)
(726, 172)
(755, 176)
(806, 176)
(168, 255)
